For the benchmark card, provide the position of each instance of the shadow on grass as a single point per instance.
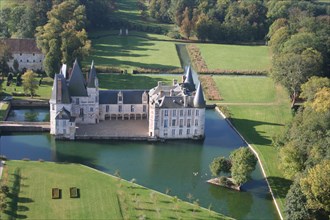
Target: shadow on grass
(248, 129)
(128, 81)
(280, 186)
(13, 206)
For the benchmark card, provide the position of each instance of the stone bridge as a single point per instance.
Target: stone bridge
(24, 126)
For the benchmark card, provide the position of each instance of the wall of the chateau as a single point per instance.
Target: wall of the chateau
(123, 111)
(178, 123)
(54, 109)
(85, 109)
(32, 61)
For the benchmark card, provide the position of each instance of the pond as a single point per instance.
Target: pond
(35, 114)
(160, 166)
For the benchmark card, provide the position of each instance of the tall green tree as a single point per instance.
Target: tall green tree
(63, 35)
(5, 56)
(243, 163)
(220, 164)
(30, 84)
(186, 24)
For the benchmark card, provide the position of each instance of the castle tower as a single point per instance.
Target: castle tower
(93, 94)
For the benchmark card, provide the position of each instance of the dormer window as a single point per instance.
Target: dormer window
(120, 97)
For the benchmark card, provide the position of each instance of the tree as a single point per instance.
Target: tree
(321, 102)
(312, 86)
(296, 203)
(316, 186)
(243, 163)
(202, 27)
(16, 66)
(5, 56)
(292, 70)
(186, 24)
(220, 164)
(63, 38)
(30, 84)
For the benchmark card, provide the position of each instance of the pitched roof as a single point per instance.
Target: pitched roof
(60, 96)
(22, 45)
(91, 77)
(199, 101)
(189, 81)
(76, 82)
(129, 96)
(64, 114)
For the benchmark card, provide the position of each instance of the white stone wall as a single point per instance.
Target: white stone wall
(180, 123)
(54, 109)
(85, 109)
(33, 61)
(128, 110)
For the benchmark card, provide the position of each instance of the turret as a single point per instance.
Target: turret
(199, 101)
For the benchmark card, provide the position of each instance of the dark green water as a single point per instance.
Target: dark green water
(28, 114)
(158, 165)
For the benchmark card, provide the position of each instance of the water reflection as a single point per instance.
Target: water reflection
(182, 166)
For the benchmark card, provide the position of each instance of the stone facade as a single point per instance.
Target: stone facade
(173, 112)
(26, 52)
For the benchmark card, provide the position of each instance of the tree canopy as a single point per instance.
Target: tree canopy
(63, 38)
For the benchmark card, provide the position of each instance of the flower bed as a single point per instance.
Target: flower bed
(56, 193)
(210, 88)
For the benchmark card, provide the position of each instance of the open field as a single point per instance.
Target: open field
(130, 52)
(101, 195)
(43, 92)
(259, 110)
(235, 57)
(245, 89)
(130, 81)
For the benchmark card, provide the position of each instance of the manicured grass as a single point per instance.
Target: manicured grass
(43, 92)
(246, 89)
(260, 122)
(130, 52)
(235, 57)
(130, 81)
(3, 108)
(101, 196)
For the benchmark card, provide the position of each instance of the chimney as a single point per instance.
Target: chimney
(171, 92)
(59, 90)
(183, 78)
(185, 101)
(160, 83)
(175, 82)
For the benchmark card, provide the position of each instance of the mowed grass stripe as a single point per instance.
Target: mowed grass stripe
(235, 57)
(99, 195)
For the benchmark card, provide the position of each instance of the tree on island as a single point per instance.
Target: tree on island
(240, 165)
(30, 83)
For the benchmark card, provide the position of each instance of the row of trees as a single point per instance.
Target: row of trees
(228, 20)
(305, 154)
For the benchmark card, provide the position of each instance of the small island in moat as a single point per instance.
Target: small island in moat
(240, 165)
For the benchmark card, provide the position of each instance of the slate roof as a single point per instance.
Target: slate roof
(27, 45)
(91, 77)
(65, 99)
(129, 96)
(189, 81)
(199, 101)
(76, 82)
(64, 114)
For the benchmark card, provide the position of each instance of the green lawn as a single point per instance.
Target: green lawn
(3, 108)
(235, 57)
(246, 89)
(130, 81)
(133, 51)
(101, 196)
(43, 92)
(259, 122)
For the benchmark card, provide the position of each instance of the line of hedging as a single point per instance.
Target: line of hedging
(199, 64)
(138, 70)
(210, 88)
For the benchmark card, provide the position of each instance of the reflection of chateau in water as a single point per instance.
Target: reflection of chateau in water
(171, 112)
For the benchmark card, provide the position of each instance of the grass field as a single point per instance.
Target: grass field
(3, 108)
(43, 92)
(235, 57)
(259, 110)
(130, 52)
(101, 196)
(130, 81)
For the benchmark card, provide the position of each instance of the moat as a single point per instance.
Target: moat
(181, 166)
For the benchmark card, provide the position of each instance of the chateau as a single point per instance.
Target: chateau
(172, 112)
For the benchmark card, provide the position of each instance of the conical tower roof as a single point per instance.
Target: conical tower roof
(76, 82)
(199, 101)
(60, 91)
(189, 81)
(91, 77)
